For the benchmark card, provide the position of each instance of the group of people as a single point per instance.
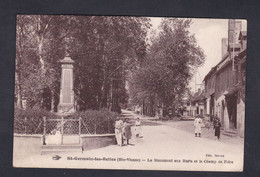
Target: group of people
(123, 131)
(198, 124)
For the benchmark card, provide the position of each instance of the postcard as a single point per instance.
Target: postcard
(130, 93)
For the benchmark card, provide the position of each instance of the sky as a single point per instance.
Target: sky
(208, 33)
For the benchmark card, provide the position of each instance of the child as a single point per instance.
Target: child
(138, 127)
(127, 131)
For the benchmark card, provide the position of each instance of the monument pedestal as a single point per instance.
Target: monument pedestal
(65, 108)
(66, 104)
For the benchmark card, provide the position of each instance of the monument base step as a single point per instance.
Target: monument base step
(52, 149)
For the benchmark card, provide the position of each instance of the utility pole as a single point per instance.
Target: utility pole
(195, 83)
(233, 56)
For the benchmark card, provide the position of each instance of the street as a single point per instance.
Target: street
(160, 140)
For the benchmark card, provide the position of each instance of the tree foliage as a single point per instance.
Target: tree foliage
(113, 60)
(39, 46)
(104, 49)
(169, 65)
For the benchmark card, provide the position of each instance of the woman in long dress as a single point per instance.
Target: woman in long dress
(119, 131)
(127, 130)
(197, 125)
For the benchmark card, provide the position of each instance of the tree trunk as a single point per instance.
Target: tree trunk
(105, 84)
(18, 67)
(18, 80)
(143, 105)
(105, 93)
(52, 101)
(40, 45)
(39, 38)
(19, 96)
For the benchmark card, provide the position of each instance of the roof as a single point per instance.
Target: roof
(210, 73)
(242, 34)
(199, 95)
(241, 55)
(213, 69)
(225, 57)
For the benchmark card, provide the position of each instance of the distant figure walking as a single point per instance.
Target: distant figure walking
(197, 125)
(217, 126)
(127, 130)
(119, 131)
(138, 127)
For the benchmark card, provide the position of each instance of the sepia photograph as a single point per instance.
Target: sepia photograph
(129, 93)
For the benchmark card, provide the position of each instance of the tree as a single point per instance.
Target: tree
(39, 46)
(104, 50)
(169, 65)
(107, 47)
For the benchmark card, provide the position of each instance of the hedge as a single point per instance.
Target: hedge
(30, 121)
(96, 122)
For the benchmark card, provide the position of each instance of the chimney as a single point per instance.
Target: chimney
(234, 28)
(224, 46)
(199, 91)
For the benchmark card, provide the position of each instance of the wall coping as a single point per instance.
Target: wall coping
(82, 136)
(28, 135)
(96, 135)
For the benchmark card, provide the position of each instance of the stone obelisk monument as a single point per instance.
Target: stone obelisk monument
(66, 104)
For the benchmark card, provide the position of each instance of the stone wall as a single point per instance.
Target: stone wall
(26, 145)
(218, 110)
(97, 141)
(241, 118)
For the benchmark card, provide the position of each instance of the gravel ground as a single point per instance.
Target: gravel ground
(160, 140)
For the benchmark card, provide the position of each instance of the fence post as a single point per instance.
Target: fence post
(79, 128)
(108, 125)
(25, 125)
(95, 126)
(61, 130)
(44, 129)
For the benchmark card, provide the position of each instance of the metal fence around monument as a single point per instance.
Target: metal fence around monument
(72, 127)
(65, 126)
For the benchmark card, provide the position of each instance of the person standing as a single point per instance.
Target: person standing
(137, 127)
(119, 131)
(217, 126)
(197, 125)
(127, 131)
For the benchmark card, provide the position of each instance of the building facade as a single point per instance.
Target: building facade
(225, 83)
(210, 84)
(195, 105)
